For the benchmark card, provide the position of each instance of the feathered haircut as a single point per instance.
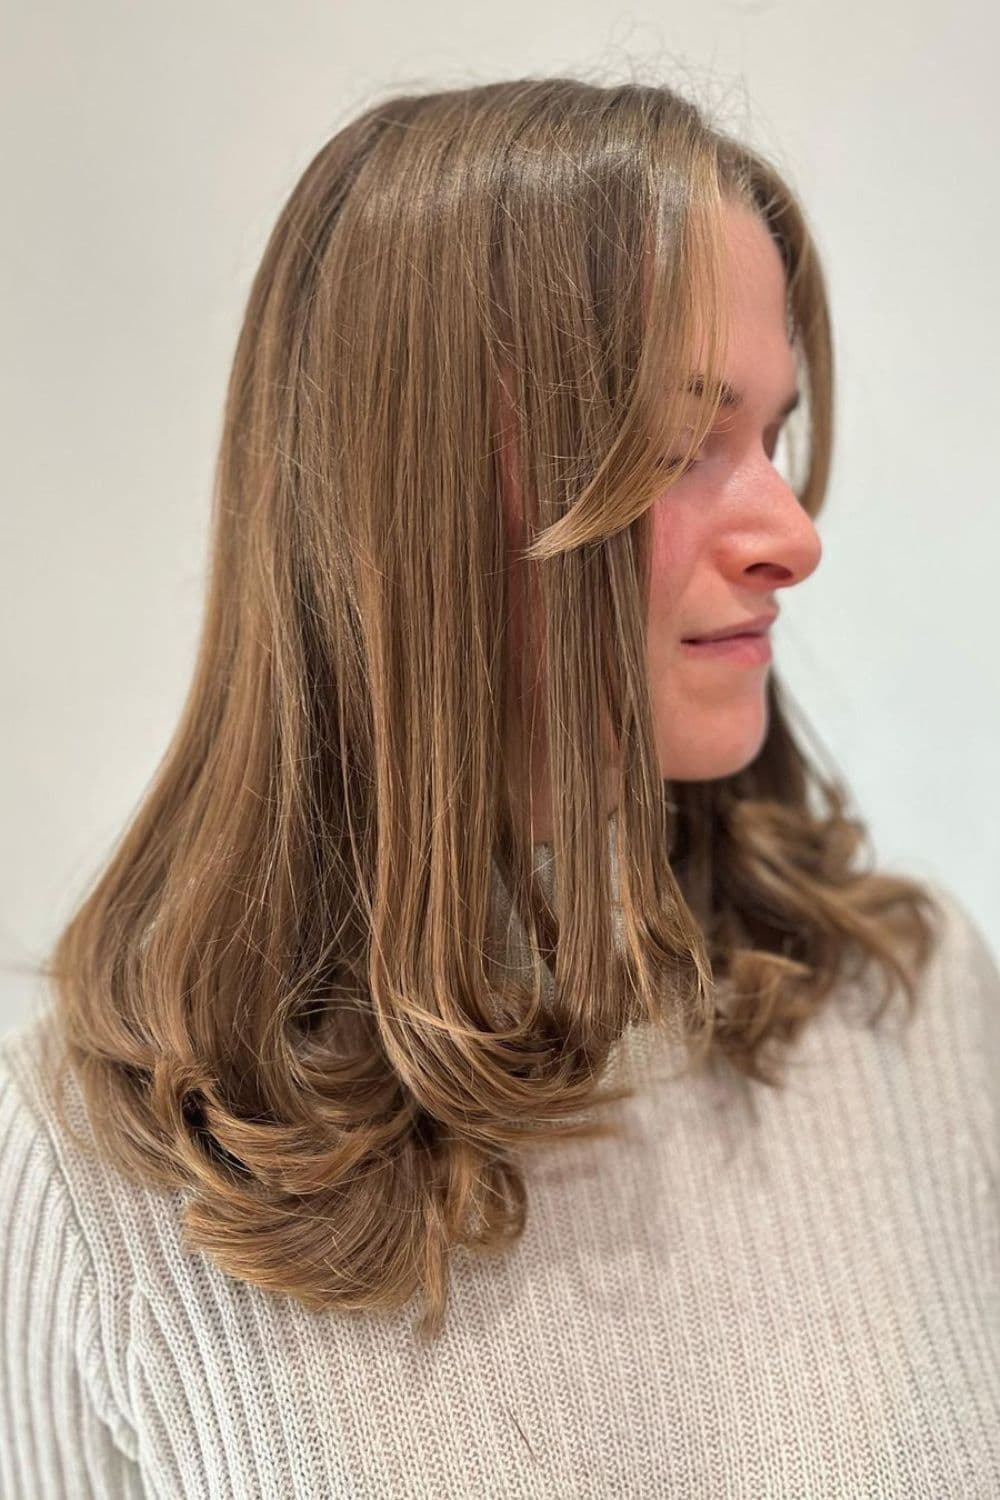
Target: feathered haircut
(276, 994)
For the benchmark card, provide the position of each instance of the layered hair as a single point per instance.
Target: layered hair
(276, 994)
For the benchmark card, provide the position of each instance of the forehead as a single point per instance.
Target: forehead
(759, 356)
(756, 273)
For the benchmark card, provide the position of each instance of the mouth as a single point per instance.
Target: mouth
(752, 648)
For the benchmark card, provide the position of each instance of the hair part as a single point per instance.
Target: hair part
(277, 994)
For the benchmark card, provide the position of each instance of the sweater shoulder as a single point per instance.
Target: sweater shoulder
(963, 1003)
(964, 970)
(64, 1306)
(129, 1232)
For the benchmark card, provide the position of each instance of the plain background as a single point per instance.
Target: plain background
(148, 150)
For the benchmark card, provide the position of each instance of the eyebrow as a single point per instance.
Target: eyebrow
(730, 397)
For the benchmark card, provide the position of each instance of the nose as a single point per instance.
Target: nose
(787, 545)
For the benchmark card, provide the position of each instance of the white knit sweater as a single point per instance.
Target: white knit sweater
(755, 1295)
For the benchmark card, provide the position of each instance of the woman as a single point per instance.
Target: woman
(487, 943)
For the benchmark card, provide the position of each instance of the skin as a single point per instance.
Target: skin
(727, 537)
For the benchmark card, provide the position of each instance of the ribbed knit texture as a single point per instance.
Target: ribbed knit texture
(753, 1295)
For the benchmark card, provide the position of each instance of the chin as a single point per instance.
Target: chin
(708, 759)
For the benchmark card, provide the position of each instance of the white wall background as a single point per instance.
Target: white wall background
(148, 150)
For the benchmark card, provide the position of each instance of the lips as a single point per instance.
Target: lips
(731, 635)
(752, 649)
(758, 625)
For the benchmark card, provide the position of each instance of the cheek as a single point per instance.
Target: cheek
(677, 543)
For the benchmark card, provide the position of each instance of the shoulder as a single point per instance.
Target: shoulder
(29, 1055)
(954, 1041)
(50, 1153)
(964, 967)
(64, 1306)
(31, 1060)
(129, 1233)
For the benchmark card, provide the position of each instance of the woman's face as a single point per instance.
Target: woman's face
(729, 534)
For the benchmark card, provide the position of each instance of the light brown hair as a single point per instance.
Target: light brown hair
(275, 995)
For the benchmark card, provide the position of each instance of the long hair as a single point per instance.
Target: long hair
(276, 995)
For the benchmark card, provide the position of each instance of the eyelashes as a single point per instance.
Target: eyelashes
(675, 464)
